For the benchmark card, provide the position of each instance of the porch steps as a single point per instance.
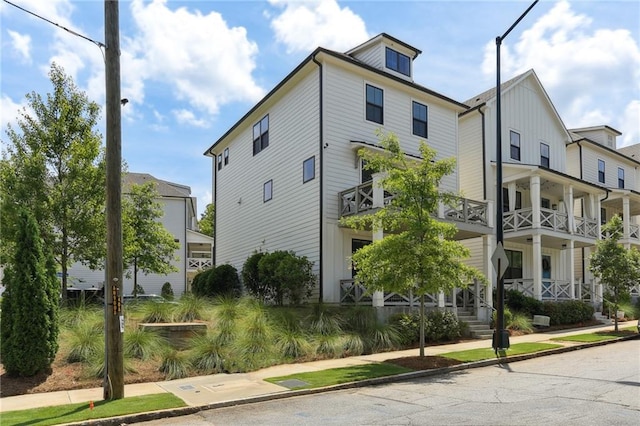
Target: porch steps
(602, 318)
(478, 329)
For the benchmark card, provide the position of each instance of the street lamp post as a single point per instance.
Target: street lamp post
(500, 335)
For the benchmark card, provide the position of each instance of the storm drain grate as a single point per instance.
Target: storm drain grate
(293, 383)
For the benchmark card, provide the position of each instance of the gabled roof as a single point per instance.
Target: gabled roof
(164, 188)
(591, 128)
(576, 139)
(631, 151)
(379, 38)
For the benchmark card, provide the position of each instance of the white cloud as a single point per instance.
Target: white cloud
(9, 112)
(204, 61)
(21, 44)
(184, 116)
(303, 26)
(589, 74)
(630, 123)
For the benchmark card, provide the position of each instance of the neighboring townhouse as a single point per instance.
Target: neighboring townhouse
(179, 218)
(289, 169)
(543, 229)
(592, 156)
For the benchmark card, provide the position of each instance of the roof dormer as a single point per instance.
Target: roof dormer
(604, 135)
(388, 54)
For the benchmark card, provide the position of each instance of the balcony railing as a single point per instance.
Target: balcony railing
(521, 219)
(634, 232)
(551, 289)
(353, 293)
(198, 263)
(361, 199)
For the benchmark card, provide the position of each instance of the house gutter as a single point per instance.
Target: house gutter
(484, 156)
(321, 158)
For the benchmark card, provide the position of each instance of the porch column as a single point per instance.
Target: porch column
(570, 256)
(626, 231)
(537, 266)
(441, 300)
(377, 298)
(378, 190)
(534, 185)
(568, 205)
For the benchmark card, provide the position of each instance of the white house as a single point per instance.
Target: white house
(543, 228)
(179, 218)
(288, 170)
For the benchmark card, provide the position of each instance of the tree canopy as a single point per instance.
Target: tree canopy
(147, 245)
(206, 223)
(617, 267)
(53, 165)
(418, 253)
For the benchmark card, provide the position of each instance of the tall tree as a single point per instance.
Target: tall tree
(616, 267)
(206, 223)
(54, 166)
(29, 304)
(147, 245)
(417, 254)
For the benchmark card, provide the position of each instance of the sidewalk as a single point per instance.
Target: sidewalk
(224, 389)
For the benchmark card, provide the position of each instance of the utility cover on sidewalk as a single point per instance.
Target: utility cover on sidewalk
(292, 383)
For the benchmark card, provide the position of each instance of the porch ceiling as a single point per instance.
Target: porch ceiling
(615, 201)
(549, 241)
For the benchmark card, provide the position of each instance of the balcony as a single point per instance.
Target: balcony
(522, 219)
(363, 199)
(551, 289)
(197, 263)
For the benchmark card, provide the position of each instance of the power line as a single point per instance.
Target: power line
(97, 43)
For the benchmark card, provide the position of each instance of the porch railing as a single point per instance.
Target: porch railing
(634, 232)
(354, 293)
(586, 227)
(468, 211)
(551, 289)
(521, 219)
(199, 263)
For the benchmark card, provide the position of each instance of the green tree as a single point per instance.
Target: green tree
(53, 166)
(418, 253)
(617, 268)
(29, 304)
(147, 245)
(284, 276)
(206, 220)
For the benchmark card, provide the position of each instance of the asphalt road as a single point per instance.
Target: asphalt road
(595, 386)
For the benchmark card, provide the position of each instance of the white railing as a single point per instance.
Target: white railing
(634, 232)
(517, 220)
(353, 293)
(551, 289)
(524, 286)
(467, 211)
(553, 219)
(586, 227)
(198, 263)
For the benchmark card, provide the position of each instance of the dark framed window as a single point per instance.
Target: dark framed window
(219, 161)
(514, 270)
(267, 191)
(505, 200)
(226, 156)
(620, 177)
(603, 216)
(398, 62)
(374, 104)
(419, 119)
(514, 138)
(261, 135)
(601, 169)
(309, 169)
(544, 155)
(545, 203)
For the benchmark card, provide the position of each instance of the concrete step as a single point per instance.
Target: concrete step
(482, 334)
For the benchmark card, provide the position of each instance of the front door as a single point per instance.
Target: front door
(355, 246)
(547, 284)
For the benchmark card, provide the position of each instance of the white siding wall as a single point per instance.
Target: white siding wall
(470, 164)
(573, 160)
(373, 56)
(290, 221)
(612, 163)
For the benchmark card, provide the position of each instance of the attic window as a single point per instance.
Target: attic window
(396, 61)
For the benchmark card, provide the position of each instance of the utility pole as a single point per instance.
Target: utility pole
(500, 335)
(114, 317)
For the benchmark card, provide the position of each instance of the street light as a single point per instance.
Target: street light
(500, 335)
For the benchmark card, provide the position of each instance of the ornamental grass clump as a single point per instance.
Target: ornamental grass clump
(155, 312)
(85, 341)
(143, 344)
(190, 308)
(174, 364)
(208, 354)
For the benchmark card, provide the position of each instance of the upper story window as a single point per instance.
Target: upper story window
(603, 216)
(545, 203)
(620, 177)
(267, 191)
(398, 62)
(226, 156)
(219, 161)
(505, 200)
(601, 171)
(261, 135)
(544, 155)
(374, 104)
(309, 169)
(514, 138)
(419, 119)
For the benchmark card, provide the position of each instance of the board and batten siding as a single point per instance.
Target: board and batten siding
(590, 157)
(573, 160)
(470, 158)
(290, 220)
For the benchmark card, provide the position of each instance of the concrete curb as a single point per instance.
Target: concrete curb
(163, 414)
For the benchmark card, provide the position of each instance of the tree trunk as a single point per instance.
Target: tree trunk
(135, 277)
(422, 326)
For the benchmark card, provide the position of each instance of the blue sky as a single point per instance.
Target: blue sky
(191, 69)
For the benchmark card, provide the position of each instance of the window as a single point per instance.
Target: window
(505, 200)
(514, 270)
(603, 216)
(545, 203)
(398, 62)
(601, 171)
(309, 169)
(261, 135)
(544, 155)
(374, 104)
(514, 137)
(620, 177)
(419, 119)
(267, 191)
(226, 156)
(219, 161)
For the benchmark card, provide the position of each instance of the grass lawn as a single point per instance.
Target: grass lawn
(336, 376)
(81, 412)
(488, 353)
(594, 337)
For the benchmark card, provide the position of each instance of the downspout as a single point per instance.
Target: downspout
(484, 157)
(584, 265)
(320, 154)
(215, 210)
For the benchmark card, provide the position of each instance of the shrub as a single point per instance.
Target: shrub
(175, 364)
(439, 326)
(142, 344)
(208, 354)
(138, 289)
(521, 322)
(167, 291)
(155, 312)
(286, 277)
(508, 318)
(568, 312)
(199, 283)
(520, 302)
(251, 277)
(85, 342)
(217, 281)
(190, 308)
